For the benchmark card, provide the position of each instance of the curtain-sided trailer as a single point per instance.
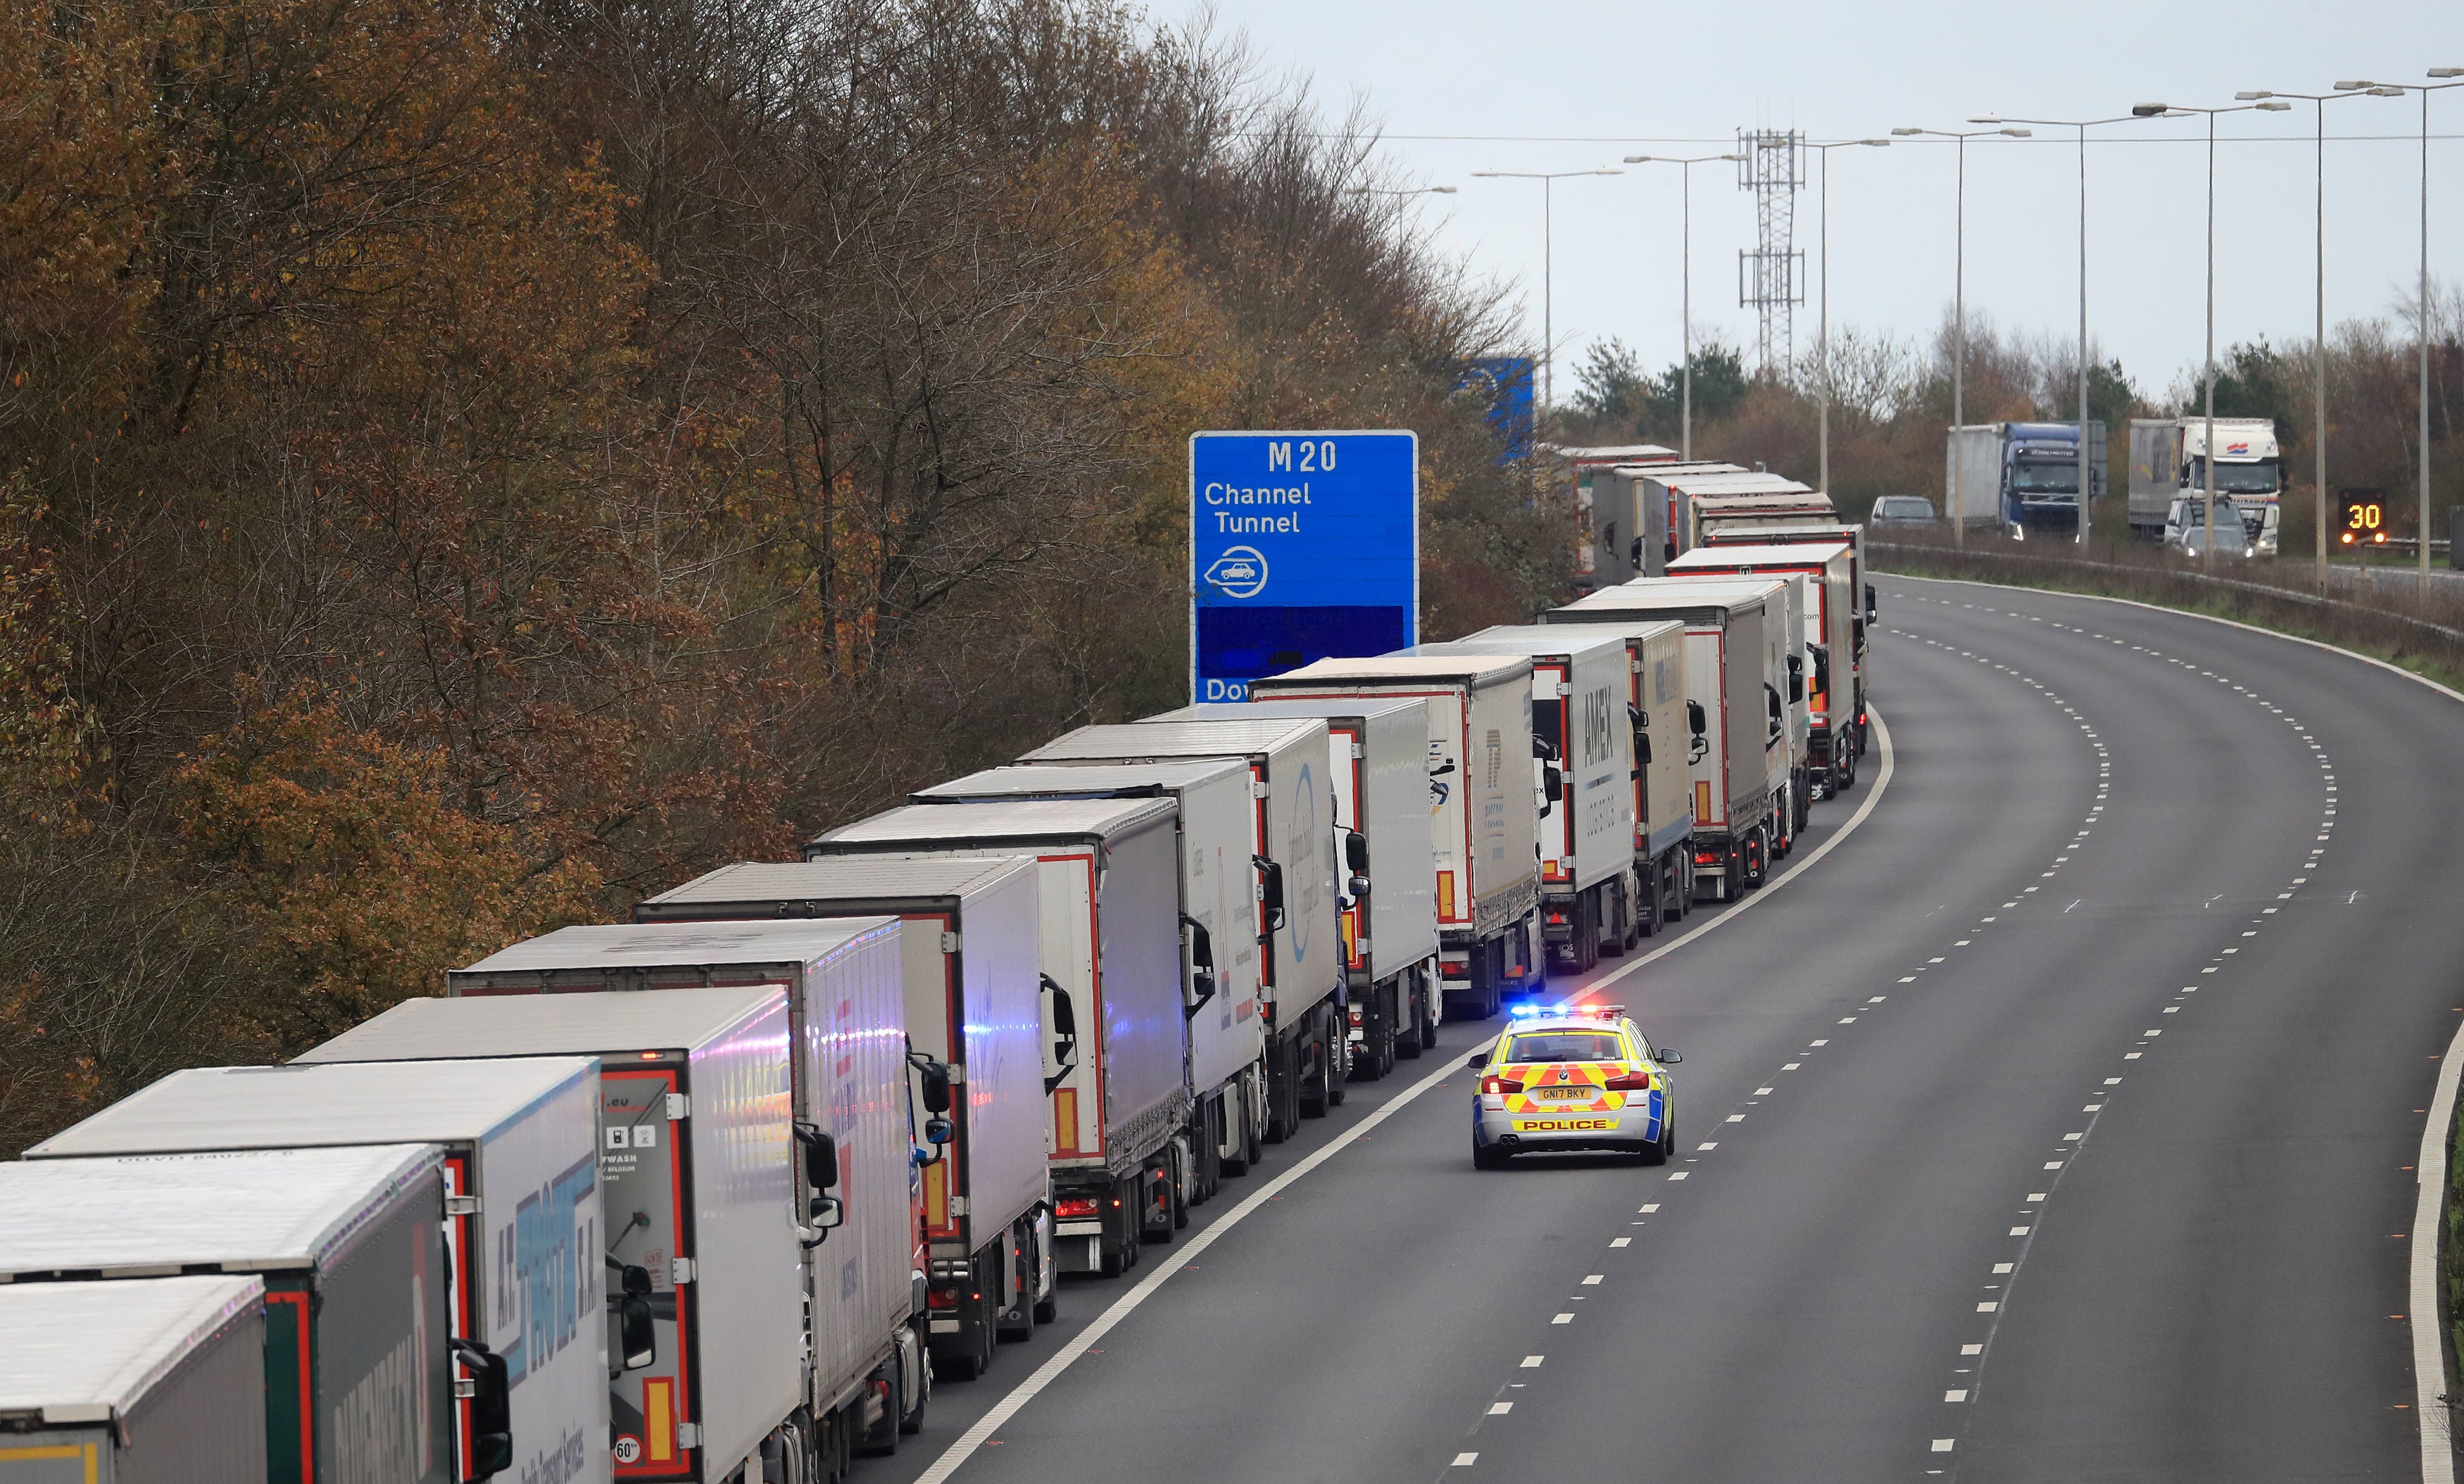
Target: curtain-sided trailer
(147, 1381)
(523, 1224)
(1122, 1151)
(1302, 975)
(1225, 1055)
(975, 1004)
(1735, 667)
(350, 1246)
(697, 1143)
(1483, 831)
(1582, 760)
(1377, 755)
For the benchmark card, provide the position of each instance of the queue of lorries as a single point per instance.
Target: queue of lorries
(719, 1193)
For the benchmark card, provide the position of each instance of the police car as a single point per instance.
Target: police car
(1571, 1077)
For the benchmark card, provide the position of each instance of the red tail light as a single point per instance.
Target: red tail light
(1076, 1208)
(940, 1299)
(1629, 1082)
(1449, 969)
(1706, 857)
(1501, 1085)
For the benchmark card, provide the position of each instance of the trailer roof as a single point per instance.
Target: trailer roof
(307, 1106)
(83, 1352)
(244, 1212)
(1529, 639)
(996, 820)
(676, 944)
(1669, 595)
(1402, 667)
(1230, 739)
(1747, 533)
(1324, 708)
(1100, 779)
(1730, 557)
(1623, 453)
(587, 1023)
(873, 880)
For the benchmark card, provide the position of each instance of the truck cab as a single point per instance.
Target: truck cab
(2169, 463)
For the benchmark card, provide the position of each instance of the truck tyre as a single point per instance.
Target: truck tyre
(1180, 1190)
(879, 1438)
(1046, 1310)
(1756, 855)
(1313, 1097)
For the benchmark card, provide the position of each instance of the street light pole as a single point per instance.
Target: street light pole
(2318, 311)
(2208, 456)
(1822, 338)
(2085, 489)
(1548, 179)
(1956, 492)
(1686, 278)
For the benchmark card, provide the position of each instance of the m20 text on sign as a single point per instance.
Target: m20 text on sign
(1303, 546)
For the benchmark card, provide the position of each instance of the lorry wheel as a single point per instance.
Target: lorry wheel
(1046, 1310)
(879, 1439)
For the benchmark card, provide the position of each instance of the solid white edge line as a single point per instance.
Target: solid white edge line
(974, 1438)
(2429, 1167)
(1881, 782)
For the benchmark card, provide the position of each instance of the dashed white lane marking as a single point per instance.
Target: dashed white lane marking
(1532, 1362)
(1620, 1241)
(1561, 1319)
(1465, 1460)
(1498, 1409)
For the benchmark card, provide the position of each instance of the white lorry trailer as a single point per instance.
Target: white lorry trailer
(1377, 755)
(1223, 1055)
(1834, 638)
(350, 1246)
(697, 1159)
(1483, 831)
(523, 1228)
(1302, 974)
(1743, 506)
(1627, 516)
(1121, 1129)
(1735, 669)
(2169, 463)
(152, 1380)
(974, 1004)
(1583, 747)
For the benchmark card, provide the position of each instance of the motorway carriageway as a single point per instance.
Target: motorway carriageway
(2059, 1123)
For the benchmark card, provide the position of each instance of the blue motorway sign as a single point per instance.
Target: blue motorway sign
(1303, 546)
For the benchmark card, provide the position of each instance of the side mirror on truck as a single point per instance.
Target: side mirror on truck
(1796, 678)
(1869, 603)
(1694, 722)
(492, 1407)
(1552, 783)
(1202, 964)
(1065, 1031)
(637, 1334)
(1355, 852)
(1270, 896)
(820, 1156)
(1821, 668)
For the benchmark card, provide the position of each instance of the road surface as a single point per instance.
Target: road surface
(2058, 1125)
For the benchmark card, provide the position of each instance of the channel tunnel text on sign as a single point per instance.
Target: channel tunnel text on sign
(1303, 545)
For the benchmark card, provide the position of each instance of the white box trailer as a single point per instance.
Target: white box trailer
(1302, 974)
(1735, 667)
(1749, 504)
(153, 1380)
(1629, 519)
(1683, 495)
(1225, 1063)
(697, 1159)
(1483, 833)
(523, 1224)
(1583, 747)
(350, 1246)
(1120, 1114)
(1836, 632)
(1377, 754)
(1797, 604)
(1861, 608)
(975, 1003)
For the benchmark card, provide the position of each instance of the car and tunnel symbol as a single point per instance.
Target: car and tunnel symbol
(1239, 572)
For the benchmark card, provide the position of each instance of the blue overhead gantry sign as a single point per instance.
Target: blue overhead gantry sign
(1303, 546)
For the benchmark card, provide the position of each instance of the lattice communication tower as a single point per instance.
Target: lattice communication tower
(1771, 276)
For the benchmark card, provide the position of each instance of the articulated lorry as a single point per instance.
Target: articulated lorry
(1484, 829)
(717, 1219)
(1603, 494)
(1582, 759)
(350, 1381)
(1301, 976)
(1377, 756)
(524, 1230)
(1736, 674)
(975, 1003)
(2169, 463)
(1120, 1121)
(1834, 643)
(1630, 509)
(1224, 1050)
(145, 1381)
(2022, 477)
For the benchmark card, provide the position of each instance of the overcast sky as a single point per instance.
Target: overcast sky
(1558, 84)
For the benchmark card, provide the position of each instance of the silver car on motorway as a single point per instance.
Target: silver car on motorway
(1573, 1078)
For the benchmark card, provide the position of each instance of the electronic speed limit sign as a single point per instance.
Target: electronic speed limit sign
(2362, 517)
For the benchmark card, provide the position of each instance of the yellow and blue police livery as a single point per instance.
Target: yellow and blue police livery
(1571, 1077)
